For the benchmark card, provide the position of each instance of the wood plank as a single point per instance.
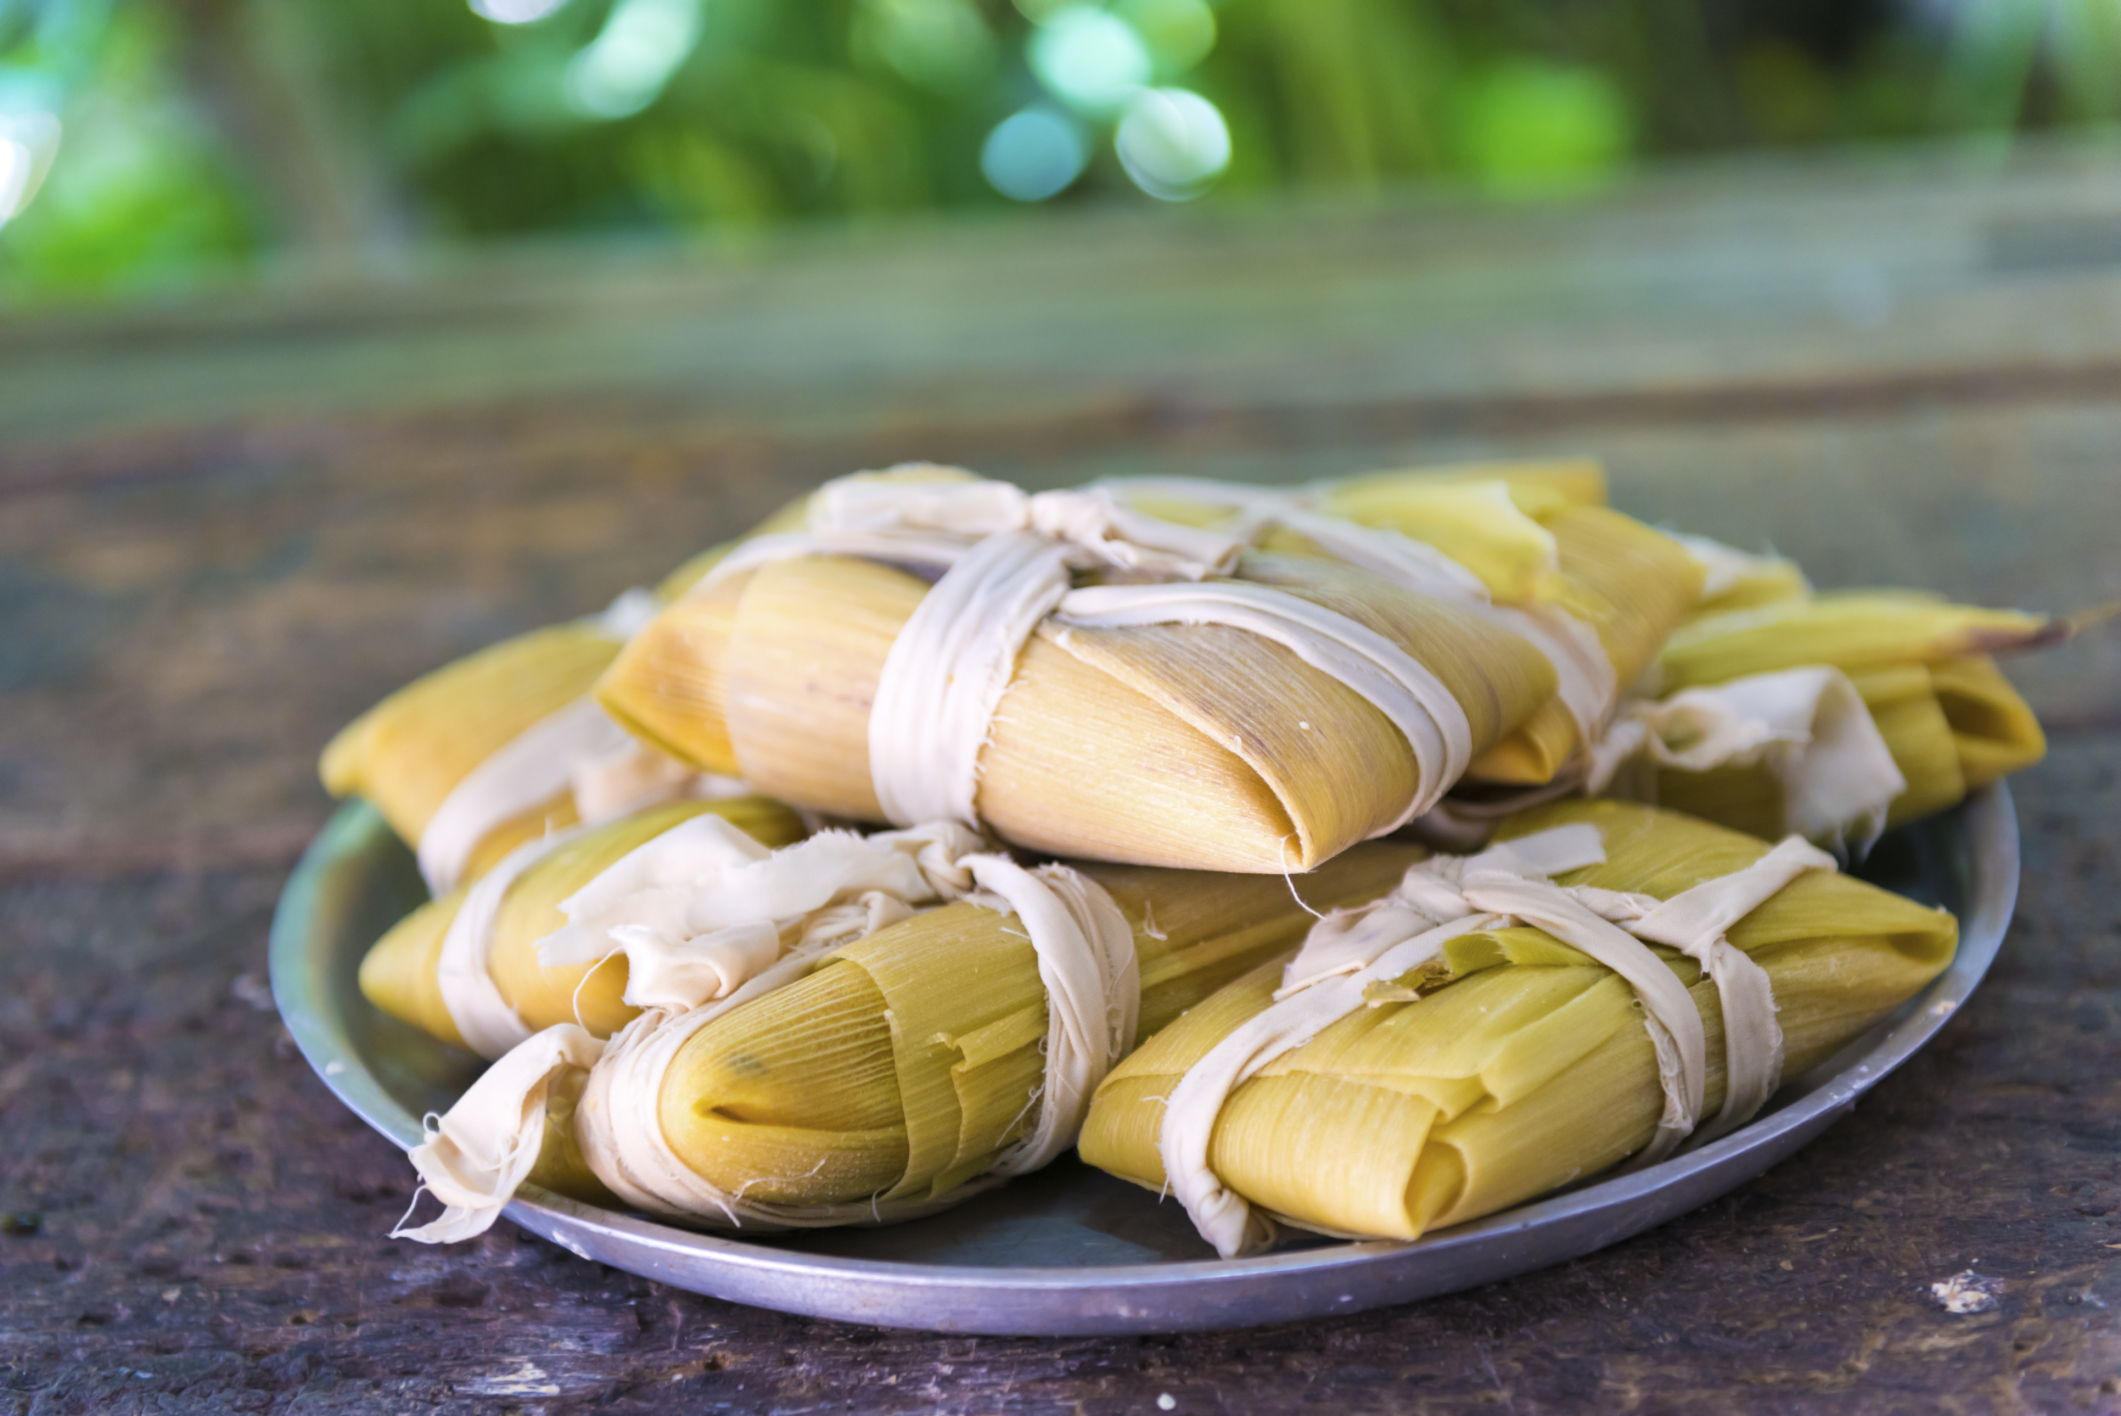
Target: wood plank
(1762, 273)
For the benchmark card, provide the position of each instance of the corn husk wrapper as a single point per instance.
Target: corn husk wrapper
(1184, 746)
(401, 972)
(1922, 667)
(1631, 585)
(1743, 580)
(906, 1061)
(1492, 518)
(406, 754)
(1853, 630)
(1537, 485)
(1487, 515)
(1521, 1066)
(1534, 534)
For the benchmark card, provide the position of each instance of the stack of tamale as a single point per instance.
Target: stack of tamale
(1338, 658)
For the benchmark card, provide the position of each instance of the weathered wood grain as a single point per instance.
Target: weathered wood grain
(224, 529)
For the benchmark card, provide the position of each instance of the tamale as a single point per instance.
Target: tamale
(1193, 744)
(1488, 516)
(869, 1068)
(1922, 666)
(401, 972)
(903, 1064)
(1631, 585)
(1509, 1063)
(1852, 630)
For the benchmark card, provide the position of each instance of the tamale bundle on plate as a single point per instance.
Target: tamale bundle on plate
(1087, 678)
(1607, 982)
(506, 745)
(1838, 715)
(849, 1029)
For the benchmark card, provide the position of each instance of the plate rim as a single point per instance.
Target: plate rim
(1208, 1292)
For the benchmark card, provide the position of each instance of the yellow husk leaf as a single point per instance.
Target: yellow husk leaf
(1855, 631)
(1179, 746)
(667, 686)
(1525, 1066)
(407, 753)
(1631, 585)
(1770, 582)
(400, 972)
(1538, 486)
(1951, 720)
(1993, 728)
(1481, 525)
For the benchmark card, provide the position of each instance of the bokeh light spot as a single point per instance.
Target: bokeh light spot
(28, 142)
(625, 67)
(1092, 60)
(944, 46)
(514, 12)
(1173, 143)
(1179, 33)
(1528, 126)
(1033, 155)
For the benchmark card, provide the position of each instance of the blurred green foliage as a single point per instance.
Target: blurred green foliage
(195, 136)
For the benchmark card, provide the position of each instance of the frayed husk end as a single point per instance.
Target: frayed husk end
(401, 973)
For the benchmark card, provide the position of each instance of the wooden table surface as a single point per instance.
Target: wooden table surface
(230, 524)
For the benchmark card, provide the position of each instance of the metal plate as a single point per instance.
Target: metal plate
(1072, 1250)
